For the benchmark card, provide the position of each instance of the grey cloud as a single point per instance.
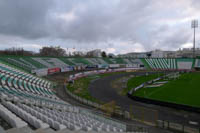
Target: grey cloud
(25, 18)
(98, 22)
(101, 23)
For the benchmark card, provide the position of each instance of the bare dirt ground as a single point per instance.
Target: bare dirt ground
(120, 84)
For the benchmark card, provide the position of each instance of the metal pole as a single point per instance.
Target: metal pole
(194, 44)
(194, 25)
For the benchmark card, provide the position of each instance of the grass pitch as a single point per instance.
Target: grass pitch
(136, 81)
(185, 90)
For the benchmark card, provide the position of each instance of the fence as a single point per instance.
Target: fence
(176, 126)
(143, 114)
(98, 116)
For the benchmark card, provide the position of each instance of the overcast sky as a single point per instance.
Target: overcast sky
(116, 26)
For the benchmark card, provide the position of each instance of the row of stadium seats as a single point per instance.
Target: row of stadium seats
(197, 63)
(24, 82)
(25, 116)
(17, 63)
(15, 82)
(35, 63)
(11, 118)
(162, 63)
(170, 64)
(27, 100)
(32, 63)
(45, 117)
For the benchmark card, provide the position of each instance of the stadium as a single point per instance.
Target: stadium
(85, 66)
(77, 92)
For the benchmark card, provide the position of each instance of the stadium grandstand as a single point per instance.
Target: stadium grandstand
(40, 65)
(171, 64)
(34, 64)
(85, 66)
(28, 101)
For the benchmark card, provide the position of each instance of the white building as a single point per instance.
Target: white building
(158, 54)
(181, 53)
(134, 55)
(188, 52)
(79, 53)
(171, 54)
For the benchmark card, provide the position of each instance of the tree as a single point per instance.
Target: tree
(52, 51)
(110, 56)
(17, 51)
(103, 54)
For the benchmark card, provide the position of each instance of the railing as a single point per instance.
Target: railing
(98, 116)
(178, 127)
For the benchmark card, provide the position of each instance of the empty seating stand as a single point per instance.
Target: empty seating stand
(34, 63)
(11, 118)
(29, 101)
(161, 63)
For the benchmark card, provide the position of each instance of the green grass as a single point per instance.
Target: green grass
(136, 81)
(146, 64)
(80, 86)
(184, 90)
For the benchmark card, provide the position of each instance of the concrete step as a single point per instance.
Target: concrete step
(2, 130)
(48, 130)
(80, 131)
(20, 130)
(65, 131)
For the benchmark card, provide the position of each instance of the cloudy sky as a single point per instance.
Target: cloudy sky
(116, 26)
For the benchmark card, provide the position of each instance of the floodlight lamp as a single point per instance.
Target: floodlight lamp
(194, 24)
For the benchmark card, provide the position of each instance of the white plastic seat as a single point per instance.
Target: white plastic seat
(95, 128)
(59, 120)
(31, 120)
(39, 116)
(113, 129)
(86, 128)
(66, 123)
(54, 118)
(74, 127)
(58, 126)
(50, 122)
(11, 118)
(41, 125)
